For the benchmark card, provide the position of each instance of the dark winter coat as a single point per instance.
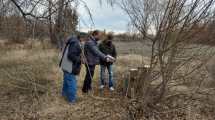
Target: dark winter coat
(92, 53)
(107, 49)
(72, 56)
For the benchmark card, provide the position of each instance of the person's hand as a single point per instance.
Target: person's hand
(110, 58)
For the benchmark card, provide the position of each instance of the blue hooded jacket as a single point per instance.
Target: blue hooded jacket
(73, 55)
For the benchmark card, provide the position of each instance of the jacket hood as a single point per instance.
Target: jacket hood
(73, 39)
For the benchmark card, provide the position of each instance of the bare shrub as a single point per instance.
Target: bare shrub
(174, 61)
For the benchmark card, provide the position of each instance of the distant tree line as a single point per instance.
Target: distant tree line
(23, 19)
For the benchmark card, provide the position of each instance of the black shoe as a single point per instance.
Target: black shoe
(84, 91)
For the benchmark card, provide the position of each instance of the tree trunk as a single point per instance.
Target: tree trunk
(59, 25)
(51, 32)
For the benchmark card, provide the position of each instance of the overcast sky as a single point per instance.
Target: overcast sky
(104, 17)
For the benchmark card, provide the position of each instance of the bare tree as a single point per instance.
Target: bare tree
(51, 13)
(176, 60)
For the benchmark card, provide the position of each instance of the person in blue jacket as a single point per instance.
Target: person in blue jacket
(71, 65)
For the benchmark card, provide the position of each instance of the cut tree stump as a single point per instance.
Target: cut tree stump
(136, 81)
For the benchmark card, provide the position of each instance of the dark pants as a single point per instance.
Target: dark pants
(88, 78)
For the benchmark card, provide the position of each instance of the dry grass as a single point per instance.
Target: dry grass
(30, 83)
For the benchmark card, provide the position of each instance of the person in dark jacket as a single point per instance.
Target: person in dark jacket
(93, 55)
(71, 65)
(108, 48)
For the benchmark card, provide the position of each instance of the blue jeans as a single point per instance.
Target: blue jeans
(110, 73)
(69, 87)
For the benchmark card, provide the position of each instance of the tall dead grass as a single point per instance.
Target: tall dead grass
(27, 81)
(31, 82)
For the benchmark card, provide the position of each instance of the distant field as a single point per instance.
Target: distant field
(135, 47)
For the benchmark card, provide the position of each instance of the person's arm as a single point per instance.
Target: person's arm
(74, 52)
(94, 49)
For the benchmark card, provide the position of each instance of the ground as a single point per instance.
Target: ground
(31, 83)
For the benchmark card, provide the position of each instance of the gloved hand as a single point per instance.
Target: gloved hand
(110, 58)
